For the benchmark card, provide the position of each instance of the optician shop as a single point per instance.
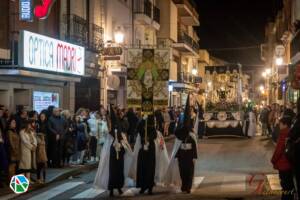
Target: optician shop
(45, 75)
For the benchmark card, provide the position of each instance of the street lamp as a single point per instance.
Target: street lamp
(267, 74)
(119, 36)
(194, 71)
(261, 88)
(279, 61)
(209, 83)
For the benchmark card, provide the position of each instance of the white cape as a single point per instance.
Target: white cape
(102, 175)
(196, 125)
(161, 158)
(172, 176)
(252, 125)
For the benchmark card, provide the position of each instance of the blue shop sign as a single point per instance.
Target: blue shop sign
(26, 10)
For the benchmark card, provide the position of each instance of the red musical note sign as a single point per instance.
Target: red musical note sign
(42, 11)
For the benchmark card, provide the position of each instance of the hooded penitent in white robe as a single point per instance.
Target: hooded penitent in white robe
(172, 177)
(102, 175)
(252, 125)
(161, 158)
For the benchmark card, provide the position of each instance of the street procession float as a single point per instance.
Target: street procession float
(225, 92)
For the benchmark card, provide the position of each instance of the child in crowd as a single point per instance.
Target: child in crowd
(41, 157)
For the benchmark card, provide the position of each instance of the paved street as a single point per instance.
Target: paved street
(230, 168)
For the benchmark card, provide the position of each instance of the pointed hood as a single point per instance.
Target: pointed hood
(187, 118)
(183, 130)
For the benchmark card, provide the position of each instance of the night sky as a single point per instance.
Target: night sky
(235, 23)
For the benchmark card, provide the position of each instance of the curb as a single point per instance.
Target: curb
(73, 172)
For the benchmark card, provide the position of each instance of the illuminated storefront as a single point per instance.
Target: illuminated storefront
(46, 73)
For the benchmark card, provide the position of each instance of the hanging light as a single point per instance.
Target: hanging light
(119, 36)
(279, 61)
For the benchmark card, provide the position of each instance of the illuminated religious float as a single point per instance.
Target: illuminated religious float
(224, 94)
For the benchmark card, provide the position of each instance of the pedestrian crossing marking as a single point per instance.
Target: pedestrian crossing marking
(130, 192)
(274, 182)
(88, 194)
(56, 191)
(234, 183)
(197, 181)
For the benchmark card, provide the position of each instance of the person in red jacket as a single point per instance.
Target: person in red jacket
(281, 163)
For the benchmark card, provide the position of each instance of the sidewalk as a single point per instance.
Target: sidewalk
(54, 175)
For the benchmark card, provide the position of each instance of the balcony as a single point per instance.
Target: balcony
(185, 77)
(186, 44)
(187, 81)
(96, 43)
(146, 13)
(295, 48)
(76, 30)
(79, 32)
(187, 12)
(156, 14)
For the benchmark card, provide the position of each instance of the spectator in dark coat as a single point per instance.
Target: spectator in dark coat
(3, 159)
(21, 118)
(172, 120)
(57, 129)
(69, 145)
(159, 120)
(2, 119)
(295, 136)
(124, 125)
(281, 163)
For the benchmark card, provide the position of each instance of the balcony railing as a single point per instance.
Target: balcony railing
(185, 77)
(295, 44)
(190, 4)
(185, 38)
(96, 38)
(78, 31)
(156, 14)
(147, 8)
(143, 7)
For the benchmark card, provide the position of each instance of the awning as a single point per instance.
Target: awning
(183, 86)
(6, 71)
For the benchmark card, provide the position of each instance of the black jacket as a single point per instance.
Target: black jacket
(57, 125)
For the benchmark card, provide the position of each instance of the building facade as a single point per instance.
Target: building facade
(280, 53)
(177, 32)
(127, 25)
(75, 27)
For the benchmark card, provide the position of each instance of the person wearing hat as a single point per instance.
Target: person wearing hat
(184, 154)
(150, 156)
(115, 159)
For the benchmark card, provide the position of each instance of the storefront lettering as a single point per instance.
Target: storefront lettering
(25, 9)
(40, 52)
(66, 57)
(44, 53)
